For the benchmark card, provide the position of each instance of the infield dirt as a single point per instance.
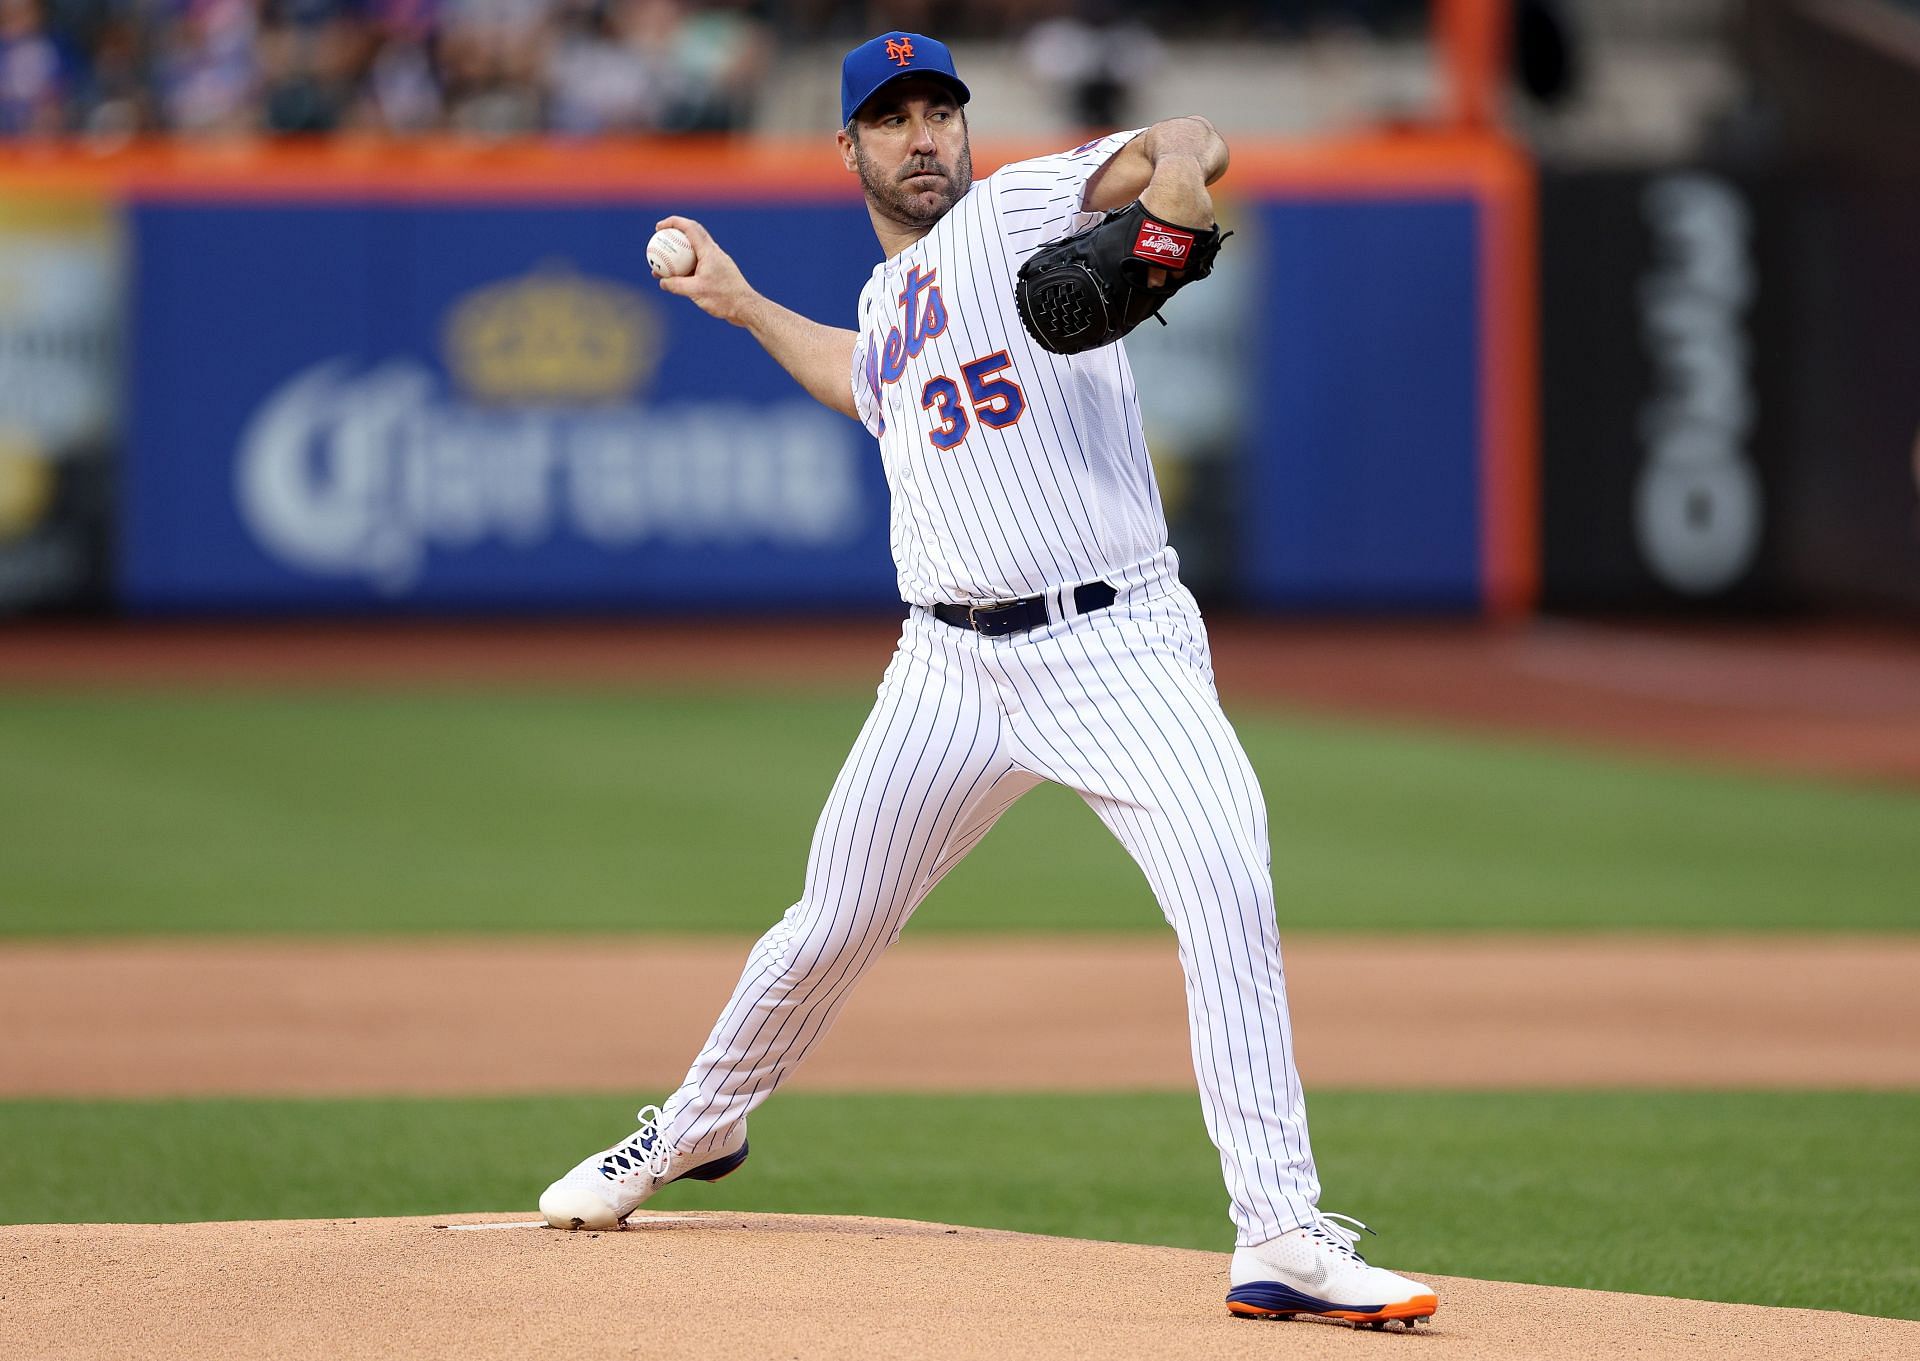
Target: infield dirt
(482, 1016)
(734, 1285)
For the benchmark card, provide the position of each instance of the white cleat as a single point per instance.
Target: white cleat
(602, 1191)
(1314, 1270)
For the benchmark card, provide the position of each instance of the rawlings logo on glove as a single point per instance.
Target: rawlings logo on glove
(1163, 245)
(1089, 289)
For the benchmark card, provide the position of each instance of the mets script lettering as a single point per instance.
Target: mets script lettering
(925, 314)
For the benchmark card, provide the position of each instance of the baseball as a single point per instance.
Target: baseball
(670, 253)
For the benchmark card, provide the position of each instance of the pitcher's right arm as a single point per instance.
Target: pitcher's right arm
(819, 357)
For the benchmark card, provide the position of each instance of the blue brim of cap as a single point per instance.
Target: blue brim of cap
(954, 83)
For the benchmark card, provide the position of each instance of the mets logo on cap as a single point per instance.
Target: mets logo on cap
(900, 50)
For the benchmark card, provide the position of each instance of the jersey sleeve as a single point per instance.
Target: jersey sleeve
(865, 374)
(1039, 200)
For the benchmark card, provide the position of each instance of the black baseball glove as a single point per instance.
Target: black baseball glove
(1089, 289)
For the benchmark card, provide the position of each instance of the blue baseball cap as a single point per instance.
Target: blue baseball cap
(886, 59)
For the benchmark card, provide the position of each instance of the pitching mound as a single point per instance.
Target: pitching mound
(711, 1284)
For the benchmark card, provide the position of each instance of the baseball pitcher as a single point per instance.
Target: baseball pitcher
(1049, 638)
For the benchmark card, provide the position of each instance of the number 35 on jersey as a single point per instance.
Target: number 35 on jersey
(984, 392)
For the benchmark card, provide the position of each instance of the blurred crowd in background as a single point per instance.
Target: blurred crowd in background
(109, 69)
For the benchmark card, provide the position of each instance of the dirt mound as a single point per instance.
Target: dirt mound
(710, 1284)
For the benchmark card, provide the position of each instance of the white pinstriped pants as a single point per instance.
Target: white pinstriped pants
(1119, 705)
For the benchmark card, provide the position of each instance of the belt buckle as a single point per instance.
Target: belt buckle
(974, 611)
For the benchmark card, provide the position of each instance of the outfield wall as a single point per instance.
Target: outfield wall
(428, 377)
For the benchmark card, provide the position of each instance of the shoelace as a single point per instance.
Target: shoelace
(646, 1150)
(1338, 1236)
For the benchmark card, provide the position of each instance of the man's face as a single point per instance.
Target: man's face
(909, 145)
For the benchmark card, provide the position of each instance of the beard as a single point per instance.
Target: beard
(915, 208)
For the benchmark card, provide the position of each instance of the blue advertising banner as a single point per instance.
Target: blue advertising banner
(358, 405)
(441, 406)
(1361, 461)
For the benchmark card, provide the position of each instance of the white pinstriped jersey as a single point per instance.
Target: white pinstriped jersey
(1012, 470)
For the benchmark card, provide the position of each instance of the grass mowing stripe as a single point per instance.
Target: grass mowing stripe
(357, 812)
(1768, 1198)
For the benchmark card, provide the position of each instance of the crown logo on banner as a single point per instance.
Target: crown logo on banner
(552, 336)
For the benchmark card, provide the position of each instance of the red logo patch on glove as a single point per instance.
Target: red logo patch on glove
(1160, 244)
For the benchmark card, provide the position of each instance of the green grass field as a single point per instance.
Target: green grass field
(1793, 1199)
(357, 812)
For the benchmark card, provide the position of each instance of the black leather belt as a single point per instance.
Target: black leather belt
(998, 618)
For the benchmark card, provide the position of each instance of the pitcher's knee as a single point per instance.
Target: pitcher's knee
(1244, 906)
(820, 950)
